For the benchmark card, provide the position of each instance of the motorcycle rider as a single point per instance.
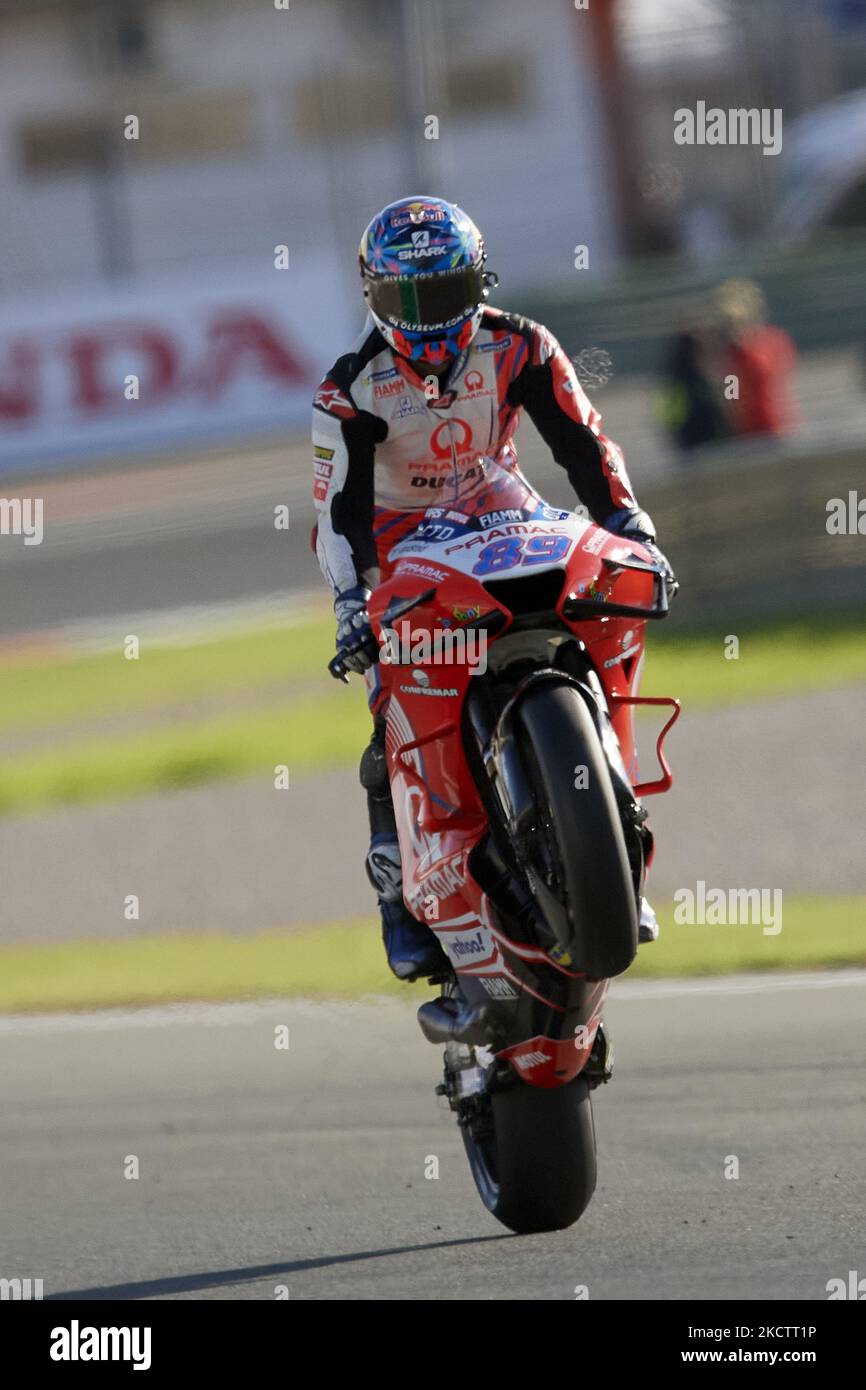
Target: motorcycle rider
(436, 376)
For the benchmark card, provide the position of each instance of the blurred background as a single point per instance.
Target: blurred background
(185, 184)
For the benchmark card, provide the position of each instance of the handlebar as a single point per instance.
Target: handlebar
(337, 665)
(338, 670)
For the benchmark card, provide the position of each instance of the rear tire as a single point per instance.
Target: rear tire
(580, 853)
(535, 1167)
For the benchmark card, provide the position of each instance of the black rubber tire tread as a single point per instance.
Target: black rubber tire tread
(557, 734)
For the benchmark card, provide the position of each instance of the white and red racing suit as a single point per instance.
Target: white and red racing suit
(382, 444)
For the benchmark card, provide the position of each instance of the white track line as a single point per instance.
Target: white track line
(229, 1015)
(189, 624)
(739, 984)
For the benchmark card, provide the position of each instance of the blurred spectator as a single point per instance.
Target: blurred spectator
(689, 404)
(761, 357)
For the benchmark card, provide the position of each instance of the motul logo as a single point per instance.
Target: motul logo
(525, 1060)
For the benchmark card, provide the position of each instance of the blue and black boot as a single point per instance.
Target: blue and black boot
(413, 950)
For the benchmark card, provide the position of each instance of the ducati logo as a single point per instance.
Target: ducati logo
(474, 381)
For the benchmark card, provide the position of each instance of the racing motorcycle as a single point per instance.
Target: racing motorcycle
(511, 640)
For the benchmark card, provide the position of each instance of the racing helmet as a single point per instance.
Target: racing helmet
(422, 268)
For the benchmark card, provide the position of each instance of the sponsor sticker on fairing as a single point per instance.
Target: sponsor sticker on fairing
(596, 542)
(526, 1060)
(499, 518)
(439, 884)
(551, 513)
(422, 571)
(622, 656)
(497, 987)
(428, 690)
(469, 946)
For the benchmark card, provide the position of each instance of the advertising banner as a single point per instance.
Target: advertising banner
(167, 364)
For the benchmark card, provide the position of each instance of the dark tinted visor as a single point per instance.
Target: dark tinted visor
(427, 301)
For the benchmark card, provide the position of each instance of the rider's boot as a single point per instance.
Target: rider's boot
(412, 949)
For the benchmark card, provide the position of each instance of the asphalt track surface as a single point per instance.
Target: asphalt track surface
(305, 1168)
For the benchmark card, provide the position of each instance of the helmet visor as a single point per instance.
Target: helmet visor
(423, 302)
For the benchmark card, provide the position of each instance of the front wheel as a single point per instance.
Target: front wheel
(575, 853)
(532, 1154)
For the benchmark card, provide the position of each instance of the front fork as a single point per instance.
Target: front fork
(491, 730)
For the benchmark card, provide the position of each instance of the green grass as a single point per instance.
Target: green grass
(304, 731)
(303, 734)
(816, 932)
(346, 960)
(786, 658)
(340, 961)
(48, 692)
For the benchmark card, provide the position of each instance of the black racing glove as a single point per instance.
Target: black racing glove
(638, 526)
